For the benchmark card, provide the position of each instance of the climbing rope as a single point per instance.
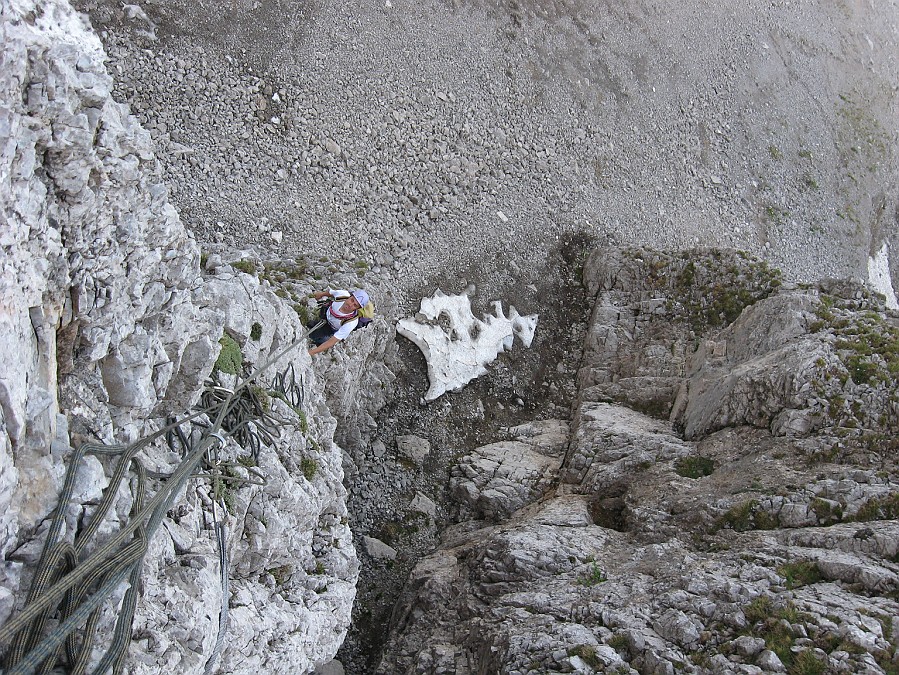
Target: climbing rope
(72, 582)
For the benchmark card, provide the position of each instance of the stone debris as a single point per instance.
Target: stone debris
(521, 126)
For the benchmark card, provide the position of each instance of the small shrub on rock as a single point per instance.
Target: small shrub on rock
(309, 467)
(230, 358)
(694, 467)
(596, 576)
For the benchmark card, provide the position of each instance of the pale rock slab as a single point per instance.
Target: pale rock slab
(497, 479)
(423, 504)
(610, 442)
(770, 662)
(378, 549)
(457, 345)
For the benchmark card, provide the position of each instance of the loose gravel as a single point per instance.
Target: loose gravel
(412, 135)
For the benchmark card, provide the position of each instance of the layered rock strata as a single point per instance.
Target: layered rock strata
(726, 502)
(109, 327)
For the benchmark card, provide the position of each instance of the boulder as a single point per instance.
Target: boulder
(413, 448)
(378, 550)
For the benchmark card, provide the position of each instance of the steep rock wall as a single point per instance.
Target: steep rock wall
(108, 326)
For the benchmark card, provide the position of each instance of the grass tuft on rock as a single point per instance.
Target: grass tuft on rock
(694, 467)
(230, 358)
(806, 663)
(245, 266)
(587, 653)
(798, 574)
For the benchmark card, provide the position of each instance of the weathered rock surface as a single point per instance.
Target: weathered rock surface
(756, 533)
(112, 327)
(500, 478)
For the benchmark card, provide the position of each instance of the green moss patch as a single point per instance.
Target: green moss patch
(230, 358)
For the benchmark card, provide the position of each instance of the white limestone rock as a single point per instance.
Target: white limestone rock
(100, 281)
(351, 397)
(458, 346)
(611, 442)
(497, 479)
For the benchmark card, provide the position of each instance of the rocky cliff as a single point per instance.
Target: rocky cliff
(109, 327)
(723, 500)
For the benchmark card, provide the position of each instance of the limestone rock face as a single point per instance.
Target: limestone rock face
(500, 478)
(714, 509)
(458, 350)
(612, 442)
(113, 327)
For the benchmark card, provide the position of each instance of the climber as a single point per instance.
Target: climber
(341, 312)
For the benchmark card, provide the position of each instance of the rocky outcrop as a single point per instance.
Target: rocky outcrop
(113, 327)
(724, 504)
(498, 479)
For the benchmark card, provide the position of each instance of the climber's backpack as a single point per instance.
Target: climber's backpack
(364, 314)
